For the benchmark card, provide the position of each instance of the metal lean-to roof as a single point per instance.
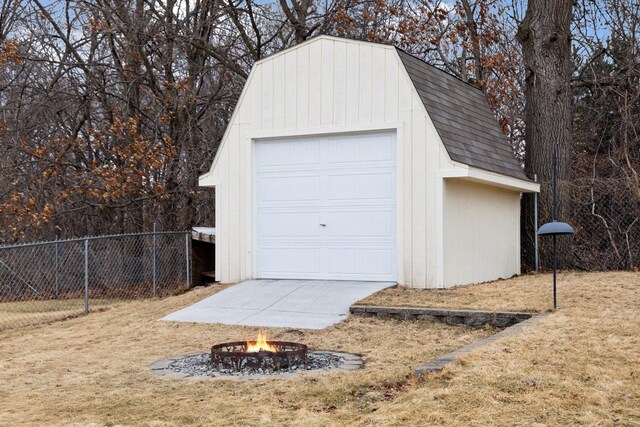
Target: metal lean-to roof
(463, 119)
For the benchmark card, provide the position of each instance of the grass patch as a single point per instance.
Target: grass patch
(94, 370)
(50, 306)
(19, 314)
(577, 366)
(528, 293)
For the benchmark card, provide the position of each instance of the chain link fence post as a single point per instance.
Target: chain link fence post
(86, 276)
(187, 258)
(56, 289)
(153, 261)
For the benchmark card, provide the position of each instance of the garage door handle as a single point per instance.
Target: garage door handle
(323, 225)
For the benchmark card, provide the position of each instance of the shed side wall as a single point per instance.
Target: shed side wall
(482, 233)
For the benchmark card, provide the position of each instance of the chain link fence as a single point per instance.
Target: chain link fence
(47, 281)
(605, 213)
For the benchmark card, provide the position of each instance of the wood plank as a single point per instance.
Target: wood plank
(279, 85)
(365, 89)
(290, 88)
(244, 200)
(353, 84)
(254, 97)
(418, 194)
(267, 94)
(315, 86)
(407, 153)
(391, 87)
(222, 217)
(233, 196)
(203, 237)
(339, 83)
(378, 89)
(302, 96)
(209, 274)
(327, 83)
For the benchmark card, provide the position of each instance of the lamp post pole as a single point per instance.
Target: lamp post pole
(555, 302)
(555, 216)
(555, 228)
(535, 220)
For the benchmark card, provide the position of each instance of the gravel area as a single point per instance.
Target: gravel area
(199, 365)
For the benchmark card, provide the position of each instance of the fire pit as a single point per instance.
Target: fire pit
(255, 359)
(258, 355)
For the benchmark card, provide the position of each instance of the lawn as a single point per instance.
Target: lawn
(24, 313)
(578, 366)
(528, 293)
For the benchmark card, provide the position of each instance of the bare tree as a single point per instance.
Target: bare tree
(545, 35)
(110, 109)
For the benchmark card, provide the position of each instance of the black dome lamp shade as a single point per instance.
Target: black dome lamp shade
(555, 228)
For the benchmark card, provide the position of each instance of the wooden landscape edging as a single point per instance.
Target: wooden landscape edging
(512, 321)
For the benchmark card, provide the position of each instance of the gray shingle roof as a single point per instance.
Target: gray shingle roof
(463, 119)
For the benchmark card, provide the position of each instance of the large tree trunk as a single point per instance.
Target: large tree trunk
(545, 35)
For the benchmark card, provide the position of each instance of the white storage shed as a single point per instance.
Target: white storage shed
(349, 160)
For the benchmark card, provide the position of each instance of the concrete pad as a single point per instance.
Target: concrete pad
(250, 295)
(303, 304)
(326, 298)
(208, 315)
(289, 319)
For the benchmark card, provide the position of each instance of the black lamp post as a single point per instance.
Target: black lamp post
(555, 227)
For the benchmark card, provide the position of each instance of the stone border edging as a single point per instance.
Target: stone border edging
(512, 321)
(438, 364)
(456, 317)
(161, 368)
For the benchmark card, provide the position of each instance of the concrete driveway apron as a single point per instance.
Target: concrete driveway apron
(304, 304)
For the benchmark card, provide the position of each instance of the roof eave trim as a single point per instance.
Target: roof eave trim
(321, 37)
(207, 180)
(469, 173)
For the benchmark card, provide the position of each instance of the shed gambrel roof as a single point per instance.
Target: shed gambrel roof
(462, 117)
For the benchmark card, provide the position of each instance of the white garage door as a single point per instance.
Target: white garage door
(326, 208)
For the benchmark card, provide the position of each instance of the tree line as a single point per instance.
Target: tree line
(110, 109)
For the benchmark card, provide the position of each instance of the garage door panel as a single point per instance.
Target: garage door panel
(273, 154)
(368, 149)
(363, 186)
(276, 262)
(289, 188)
(361, 261)
(361, 224)
(289, 224)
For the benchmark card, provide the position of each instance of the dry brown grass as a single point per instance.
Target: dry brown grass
(95, 370)
(578, 366)
(528, 293)
(19, 314)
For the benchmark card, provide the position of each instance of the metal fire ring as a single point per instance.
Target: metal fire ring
(233, 355)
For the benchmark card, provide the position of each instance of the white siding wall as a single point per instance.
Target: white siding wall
(482, 233)
(332, 86)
